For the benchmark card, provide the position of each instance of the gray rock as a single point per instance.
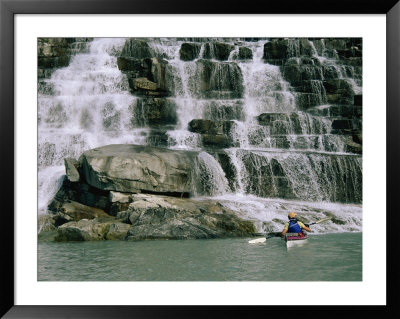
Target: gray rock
(67, 210)
(172, 218)
(120, 197)
(117, 231)
(77, 211)
(46, 223)
(128, 168)
(92, 230)
(71, 169)
(144, 84)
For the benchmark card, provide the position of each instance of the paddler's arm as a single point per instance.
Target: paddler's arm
(285, 229)
(304, 226)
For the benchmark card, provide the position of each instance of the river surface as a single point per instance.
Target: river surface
(325, 257)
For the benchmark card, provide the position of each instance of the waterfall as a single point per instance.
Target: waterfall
(270, 135)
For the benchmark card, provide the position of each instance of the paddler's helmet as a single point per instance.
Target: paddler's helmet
(292, 215)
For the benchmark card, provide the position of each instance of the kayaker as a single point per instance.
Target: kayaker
(294, 226)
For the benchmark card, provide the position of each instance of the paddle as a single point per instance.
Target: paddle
(263, 239)
(319, 221)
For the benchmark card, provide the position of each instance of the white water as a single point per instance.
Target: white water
(269, 214)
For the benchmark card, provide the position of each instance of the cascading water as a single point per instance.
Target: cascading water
(328, 58)
(280, 157)
(88, 106)
(209, 177)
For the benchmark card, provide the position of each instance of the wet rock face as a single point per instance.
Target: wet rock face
(324, 72)
(137, 48)
(294, 175)
(245, 53)
(278, 50)
(146, 76)
(154, 112)
(189, 51)
(217, 50)
(219, 80)
(213, 133)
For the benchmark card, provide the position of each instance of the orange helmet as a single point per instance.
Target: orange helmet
(292, 215)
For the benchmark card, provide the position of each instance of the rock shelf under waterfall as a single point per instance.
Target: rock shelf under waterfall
(148, 138)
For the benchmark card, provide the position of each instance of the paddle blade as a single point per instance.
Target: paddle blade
(258, 240)
(322, 220)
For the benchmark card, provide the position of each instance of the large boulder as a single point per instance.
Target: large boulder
(132, 168)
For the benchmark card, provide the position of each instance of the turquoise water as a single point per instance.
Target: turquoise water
(328, 257)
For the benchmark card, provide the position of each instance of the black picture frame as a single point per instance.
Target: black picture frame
(8, 10)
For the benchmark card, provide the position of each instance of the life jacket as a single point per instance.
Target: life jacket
(294, 227)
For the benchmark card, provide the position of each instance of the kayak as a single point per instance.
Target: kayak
(293, 239)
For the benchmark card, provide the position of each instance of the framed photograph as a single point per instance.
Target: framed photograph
(166, 159)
